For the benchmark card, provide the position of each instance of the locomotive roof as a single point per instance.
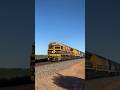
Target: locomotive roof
(89, 53)
(62, 44)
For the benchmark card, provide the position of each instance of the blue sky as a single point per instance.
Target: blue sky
(59, 21)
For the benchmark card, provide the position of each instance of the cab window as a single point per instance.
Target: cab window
(51, 46)
(61, 47)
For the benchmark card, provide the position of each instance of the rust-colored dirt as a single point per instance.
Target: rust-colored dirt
(71, 78)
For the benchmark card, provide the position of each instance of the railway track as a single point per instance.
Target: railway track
(48, 62)
(43, 63)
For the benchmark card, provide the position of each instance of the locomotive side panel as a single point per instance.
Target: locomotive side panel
(97, 66)
(60, 51)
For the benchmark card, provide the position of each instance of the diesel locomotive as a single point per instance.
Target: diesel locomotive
(98, 66)
(59, 51)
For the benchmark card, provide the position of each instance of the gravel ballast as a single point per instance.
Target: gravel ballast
(59, 76)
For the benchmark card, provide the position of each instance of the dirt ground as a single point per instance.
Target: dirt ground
(71, 78)
(109, 83)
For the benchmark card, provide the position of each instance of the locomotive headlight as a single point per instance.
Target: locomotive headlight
(53, 51)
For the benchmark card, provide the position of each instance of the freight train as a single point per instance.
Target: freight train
(98, 66)
(56, 52)
(59, 51)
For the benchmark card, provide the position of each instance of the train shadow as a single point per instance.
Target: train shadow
(69, 82)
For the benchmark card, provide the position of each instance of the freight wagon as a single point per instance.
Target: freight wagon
(98, 66)
(59, 51)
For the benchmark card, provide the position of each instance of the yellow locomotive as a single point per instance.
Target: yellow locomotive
(97, 66)
(59, 51)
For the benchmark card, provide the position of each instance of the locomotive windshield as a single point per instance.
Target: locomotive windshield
(51, 46)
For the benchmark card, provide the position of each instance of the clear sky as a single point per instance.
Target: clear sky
(59, 21)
